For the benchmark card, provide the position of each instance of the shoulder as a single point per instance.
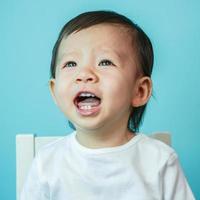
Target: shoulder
(154, 144)
(155, 150)
(55, 149)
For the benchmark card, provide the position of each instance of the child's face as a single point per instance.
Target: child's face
(100, 60)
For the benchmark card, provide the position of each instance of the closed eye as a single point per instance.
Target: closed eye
(106, 63)
(70, 64)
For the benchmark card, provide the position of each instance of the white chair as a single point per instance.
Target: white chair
(27, 145)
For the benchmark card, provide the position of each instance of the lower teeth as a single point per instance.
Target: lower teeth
(85, 107)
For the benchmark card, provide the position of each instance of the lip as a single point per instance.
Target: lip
(92, 112)
(89, 91)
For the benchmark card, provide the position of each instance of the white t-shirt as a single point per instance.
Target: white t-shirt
(141, 169)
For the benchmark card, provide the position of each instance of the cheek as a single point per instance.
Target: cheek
(62, 90)
(118, 88)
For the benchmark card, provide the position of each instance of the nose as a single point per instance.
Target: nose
(86, 75)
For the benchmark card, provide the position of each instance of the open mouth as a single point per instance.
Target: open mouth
(87, 103)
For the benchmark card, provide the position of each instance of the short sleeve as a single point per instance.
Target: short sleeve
(174, 183)
(34, 188)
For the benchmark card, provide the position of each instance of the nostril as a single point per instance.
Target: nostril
(90, 79)
(86, 77)
(78, 79)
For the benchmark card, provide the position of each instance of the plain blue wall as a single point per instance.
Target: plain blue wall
(28, 30)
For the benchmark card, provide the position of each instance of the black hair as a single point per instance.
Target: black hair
(142, 44)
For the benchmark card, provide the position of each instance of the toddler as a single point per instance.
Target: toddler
(101, 80)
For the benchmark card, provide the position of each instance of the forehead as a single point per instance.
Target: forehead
(112, 37)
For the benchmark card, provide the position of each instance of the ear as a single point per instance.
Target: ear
(52, 83)
(142, 91)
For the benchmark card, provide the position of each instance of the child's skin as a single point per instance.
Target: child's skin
(81, 66)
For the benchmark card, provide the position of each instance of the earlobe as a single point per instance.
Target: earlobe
(142, 92)
(52, 89)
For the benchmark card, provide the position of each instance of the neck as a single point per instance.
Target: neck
(105, 136)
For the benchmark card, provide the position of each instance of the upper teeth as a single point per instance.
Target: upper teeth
(85, 94)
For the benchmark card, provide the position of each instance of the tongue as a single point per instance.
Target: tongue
(89, 102)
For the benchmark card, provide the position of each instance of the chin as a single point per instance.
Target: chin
(89, 125)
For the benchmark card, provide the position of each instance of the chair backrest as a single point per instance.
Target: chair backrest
(27, 145)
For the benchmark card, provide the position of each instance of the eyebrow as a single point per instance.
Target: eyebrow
(69, 53)
(64, 54)
(119, 55)
(102, 50)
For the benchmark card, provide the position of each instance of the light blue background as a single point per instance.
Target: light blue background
(28, 30)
